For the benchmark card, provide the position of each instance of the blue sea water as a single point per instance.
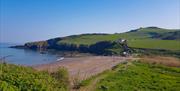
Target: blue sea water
(25, 56)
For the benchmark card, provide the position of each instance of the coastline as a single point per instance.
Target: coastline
(83, 67)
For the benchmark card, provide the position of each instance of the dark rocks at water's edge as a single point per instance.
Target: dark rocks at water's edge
(99, 48)
(33, 45)
(60, 53)
(18, 46)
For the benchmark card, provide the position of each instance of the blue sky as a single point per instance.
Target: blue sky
(32, 20)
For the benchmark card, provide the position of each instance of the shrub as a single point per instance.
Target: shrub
(19, 78)
(62, 77)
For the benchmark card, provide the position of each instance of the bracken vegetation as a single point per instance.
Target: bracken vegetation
(19, 78)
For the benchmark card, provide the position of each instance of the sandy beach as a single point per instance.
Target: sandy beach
(83, 67)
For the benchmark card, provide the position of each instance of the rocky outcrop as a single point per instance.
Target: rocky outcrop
(99, 48)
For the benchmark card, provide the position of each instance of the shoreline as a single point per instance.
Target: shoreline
(83, 67)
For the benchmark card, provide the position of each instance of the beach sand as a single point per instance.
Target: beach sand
(83, 67)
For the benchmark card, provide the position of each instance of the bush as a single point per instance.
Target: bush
(19, 78)
(62, 76)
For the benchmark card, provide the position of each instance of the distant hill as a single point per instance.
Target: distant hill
(168, 36)
(137, 34)
(149, 38)
(159, 33)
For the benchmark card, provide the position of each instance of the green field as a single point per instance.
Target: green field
(155, 44)
(149, 37)
(139, 39)
(137, 76)
(136, 43)
(18, 78)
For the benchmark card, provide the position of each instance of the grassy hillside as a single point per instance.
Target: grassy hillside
(133, 34)
(137, 76)
(153, 38)
(18, 78)
(149, 38)
(155, 44)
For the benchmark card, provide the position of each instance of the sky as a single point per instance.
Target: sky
(33, 20)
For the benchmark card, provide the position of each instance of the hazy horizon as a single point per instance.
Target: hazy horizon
(23, 21)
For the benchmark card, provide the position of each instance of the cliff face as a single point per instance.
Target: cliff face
(99, 48)
(106, 43)
(48, 44)
(37, 45)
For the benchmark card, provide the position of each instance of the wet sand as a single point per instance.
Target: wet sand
(83, 67)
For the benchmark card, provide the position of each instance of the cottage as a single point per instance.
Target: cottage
(121, 41)
(126, 49)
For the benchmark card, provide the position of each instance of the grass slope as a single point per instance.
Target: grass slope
(18, 78)
(155, 44)
(150, 37)
(138, 76)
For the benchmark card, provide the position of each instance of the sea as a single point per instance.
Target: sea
(25, 56)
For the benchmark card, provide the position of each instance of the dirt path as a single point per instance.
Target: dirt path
(92, 85)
